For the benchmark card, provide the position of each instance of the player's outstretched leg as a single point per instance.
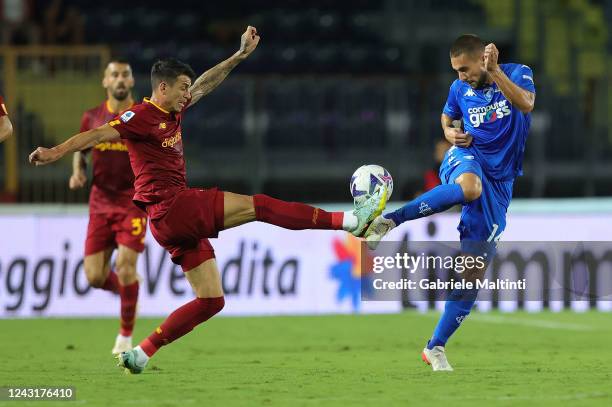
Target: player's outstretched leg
(206, 283)
(240, 209)
(467, 188)
(128, 293)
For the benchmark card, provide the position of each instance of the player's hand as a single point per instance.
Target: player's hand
(77, 180)
(248, 41)
(458, 138)
(490, 58)
(43, 156)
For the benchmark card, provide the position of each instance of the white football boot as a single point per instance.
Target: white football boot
(436, 358)
(122, 344)
(377, 230)
(369, 210)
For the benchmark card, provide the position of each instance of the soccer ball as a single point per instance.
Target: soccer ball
(368, 179)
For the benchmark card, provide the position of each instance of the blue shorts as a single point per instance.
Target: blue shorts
(484, 219)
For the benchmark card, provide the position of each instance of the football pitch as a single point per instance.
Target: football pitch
(361, 360)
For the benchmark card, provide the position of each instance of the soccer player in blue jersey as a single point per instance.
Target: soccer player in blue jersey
(494, 101)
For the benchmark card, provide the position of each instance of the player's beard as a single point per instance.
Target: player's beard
(481, 81)
(121, 93)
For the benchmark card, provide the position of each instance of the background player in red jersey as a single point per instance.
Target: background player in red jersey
(182, 219)
(6, 127)
(114, 220)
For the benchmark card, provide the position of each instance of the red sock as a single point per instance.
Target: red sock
(111, 283)
(129, 298)
(181, 322)
(294, 215)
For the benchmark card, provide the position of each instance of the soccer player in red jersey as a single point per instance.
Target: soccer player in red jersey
(6, 127)
(114, 220)
(181, 218)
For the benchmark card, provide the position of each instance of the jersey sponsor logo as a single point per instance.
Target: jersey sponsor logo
(469, 92)
(162, 126)
(171, 141)
(125, 117)
(108, 146)
(489, 113)
(113, 123)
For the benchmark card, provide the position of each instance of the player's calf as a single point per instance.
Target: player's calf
(128, 293)
(98, 272)
(179, 323)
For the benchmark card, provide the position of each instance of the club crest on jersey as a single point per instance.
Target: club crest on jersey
(162, 126)
(125, 117)
(488, 94)
(489, 113)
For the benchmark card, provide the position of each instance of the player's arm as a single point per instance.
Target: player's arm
(523, 99)
(6, 128)
(454, 135)
(212, 78)
(78, 142)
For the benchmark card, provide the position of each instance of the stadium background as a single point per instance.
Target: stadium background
(331, 86)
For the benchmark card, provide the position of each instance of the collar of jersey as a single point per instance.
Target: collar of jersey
(111, 112)
(147, 100)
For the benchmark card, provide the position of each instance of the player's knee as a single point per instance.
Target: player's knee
(95, 277)
(472, 189)
(126, 269)
(125, 265)
(212, 306)
(218, 304)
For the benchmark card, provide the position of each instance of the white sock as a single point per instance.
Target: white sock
(125, 338)
(141, 357)
(349, 222)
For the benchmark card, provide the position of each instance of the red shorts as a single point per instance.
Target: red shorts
(107, 230)
(183, 223)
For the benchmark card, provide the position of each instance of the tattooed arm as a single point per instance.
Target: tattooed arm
(210, 79)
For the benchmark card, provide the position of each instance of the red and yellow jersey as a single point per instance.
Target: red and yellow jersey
(3, 111)
(154, 138)
(113, 180)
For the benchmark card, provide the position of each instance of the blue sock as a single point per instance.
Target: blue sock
(436, 200)
(458, 306)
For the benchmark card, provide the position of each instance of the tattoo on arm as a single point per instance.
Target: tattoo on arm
(212, 78)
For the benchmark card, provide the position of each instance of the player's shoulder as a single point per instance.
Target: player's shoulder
(457, 86)
(94, 111)
(510, 67)
(140, 109)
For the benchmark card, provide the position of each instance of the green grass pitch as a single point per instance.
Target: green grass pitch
(353, 360)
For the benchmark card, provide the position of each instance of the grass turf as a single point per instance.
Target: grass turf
(367, 360)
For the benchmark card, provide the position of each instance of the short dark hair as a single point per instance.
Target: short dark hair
(168, 70)
(467, 44)
(118, 60)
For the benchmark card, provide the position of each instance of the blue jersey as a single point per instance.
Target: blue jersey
(499, 129)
